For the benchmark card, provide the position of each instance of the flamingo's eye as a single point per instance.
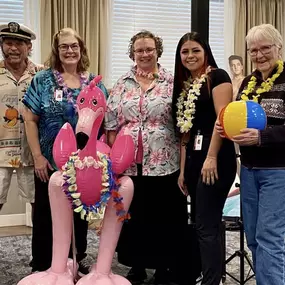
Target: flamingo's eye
(82, 100)
(94, 102)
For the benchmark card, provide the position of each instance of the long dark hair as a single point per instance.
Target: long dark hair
(181, 73)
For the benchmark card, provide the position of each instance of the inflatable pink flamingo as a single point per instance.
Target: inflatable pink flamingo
(87, 181)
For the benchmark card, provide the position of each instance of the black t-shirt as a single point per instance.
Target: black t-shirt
(205, 114)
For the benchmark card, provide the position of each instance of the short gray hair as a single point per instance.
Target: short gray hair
(264, 32)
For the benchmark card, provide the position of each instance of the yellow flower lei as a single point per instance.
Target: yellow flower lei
(265, 86)
(186, 105)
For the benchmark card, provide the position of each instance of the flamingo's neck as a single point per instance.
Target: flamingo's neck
(91, 149)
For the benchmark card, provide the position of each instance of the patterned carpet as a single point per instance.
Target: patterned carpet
(15, 257)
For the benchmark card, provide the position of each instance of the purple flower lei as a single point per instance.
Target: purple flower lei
(65, 89)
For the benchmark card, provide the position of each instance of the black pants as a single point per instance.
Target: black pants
(158, 212)
(42, 230)
(206, 211)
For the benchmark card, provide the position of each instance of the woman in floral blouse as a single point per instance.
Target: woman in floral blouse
(140, 104)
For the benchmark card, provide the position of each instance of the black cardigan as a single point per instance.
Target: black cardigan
(270, 153)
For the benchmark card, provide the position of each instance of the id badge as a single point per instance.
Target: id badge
(58, 94)
(198, 142)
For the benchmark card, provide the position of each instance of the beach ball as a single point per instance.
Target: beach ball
(239, 115)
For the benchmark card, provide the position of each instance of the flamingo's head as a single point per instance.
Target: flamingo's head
(91, 107)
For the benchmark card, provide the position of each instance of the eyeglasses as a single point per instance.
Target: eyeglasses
(142, 51)
(65, 47)
(264, 50)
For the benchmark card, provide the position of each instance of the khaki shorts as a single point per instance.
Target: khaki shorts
(25, 179)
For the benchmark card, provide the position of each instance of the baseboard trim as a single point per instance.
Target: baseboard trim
(12, 220)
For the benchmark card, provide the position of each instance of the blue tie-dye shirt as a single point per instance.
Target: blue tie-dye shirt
(53, 114)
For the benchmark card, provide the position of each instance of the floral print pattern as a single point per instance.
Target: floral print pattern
(152, 117)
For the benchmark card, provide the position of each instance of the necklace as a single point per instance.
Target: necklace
(265, 86)
(66, 91)
(110, 187)
(149, 75)
(186, 102)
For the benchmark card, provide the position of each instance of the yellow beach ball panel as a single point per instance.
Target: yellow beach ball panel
(235, 118)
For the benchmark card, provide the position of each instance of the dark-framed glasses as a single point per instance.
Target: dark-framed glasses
(142, 51)
(264, 50)
(65, 47)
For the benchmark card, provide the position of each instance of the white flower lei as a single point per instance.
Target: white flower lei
(110, 187)
(186, 107)
(70, 185)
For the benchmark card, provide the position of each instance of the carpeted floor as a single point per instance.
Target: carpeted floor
(15, 256)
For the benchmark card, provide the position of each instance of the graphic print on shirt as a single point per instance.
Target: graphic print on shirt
(11, 117)
(10, 128)
(14, 148)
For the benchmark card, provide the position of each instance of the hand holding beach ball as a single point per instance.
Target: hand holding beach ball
(240, 115)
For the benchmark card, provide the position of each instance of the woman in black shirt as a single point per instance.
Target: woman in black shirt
(208, 162)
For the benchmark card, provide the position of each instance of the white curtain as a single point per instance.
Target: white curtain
(229, 30)
(32, 12)
(32, 20)
(250, 13)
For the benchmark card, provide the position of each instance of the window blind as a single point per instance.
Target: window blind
(11, 11)
(168, 19)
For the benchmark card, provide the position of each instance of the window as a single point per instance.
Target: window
(216, 31)
(168, 19)
(12, 11)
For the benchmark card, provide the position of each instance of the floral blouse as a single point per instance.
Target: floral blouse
(133, 111)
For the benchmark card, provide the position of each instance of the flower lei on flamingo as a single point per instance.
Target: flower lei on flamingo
(110, 187)
(265, 86)
(186, 102)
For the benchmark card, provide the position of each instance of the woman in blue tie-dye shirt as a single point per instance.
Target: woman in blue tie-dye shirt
(50, 102)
